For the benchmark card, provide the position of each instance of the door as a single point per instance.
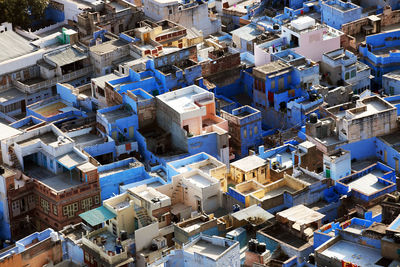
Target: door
(397, 164)
(131, 132)
(328, 173)
(114, 135)
(385, 156)
(23, 106)
(198, 205)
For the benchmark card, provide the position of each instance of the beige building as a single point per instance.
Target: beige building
(198, 190)
(351, 122)
(249, 168)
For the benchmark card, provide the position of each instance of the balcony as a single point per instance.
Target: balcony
(33, 88)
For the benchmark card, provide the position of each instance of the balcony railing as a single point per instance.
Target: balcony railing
(51, 82)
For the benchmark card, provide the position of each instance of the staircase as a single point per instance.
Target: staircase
(176, 195)
(14, 159)
(142, 216)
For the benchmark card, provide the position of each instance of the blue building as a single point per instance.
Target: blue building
(276, 84)
(380, 53)
(335, 13)
(244, 129)
(114, 175)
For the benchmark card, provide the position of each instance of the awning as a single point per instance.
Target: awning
(97, 216)
(70, 160)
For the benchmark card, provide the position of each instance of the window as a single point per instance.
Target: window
(31, 199)
(114, 228)
(45, 205)
(347, 76)
(86, 204)
(15, 205)
(391, 90)
(69, 210)
(353, 73)
(251, 133)
(245, 133)
(272, 84)
(255, 130)
(87, 258)
(55, 211)
(96, 199)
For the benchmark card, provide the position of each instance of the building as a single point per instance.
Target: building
(292, 232)
(379, 54)
(351, 122)
(114, 16)
(390, 83)
(335, 13)
(60, 175)
(296, 36)
(204, 250)
(341, 66)
(37, 249)
(244, 128)
(188, 116)
(188, 14)
(72, 242)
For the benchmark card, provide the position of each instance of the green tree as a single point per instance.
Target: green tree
(22, 12)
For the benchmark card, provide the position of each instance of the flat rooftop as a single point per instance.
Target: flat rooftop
(249, 163)
(353, 252)
(57, 182)
(277, 192)
(108, 47)
(372, 107)
(248, 32)
(301, 215)
(51, 109)
(114, 115)
(207, 249)
(87, 139)
(277, 66)
(46, 138)
(182, 100)
(368, 184)
(282, 234)
(199, 180)
(11, 94)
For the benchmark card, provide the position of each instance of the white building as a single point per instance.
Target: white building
(194, 14)
(305, 37)
(204, 251)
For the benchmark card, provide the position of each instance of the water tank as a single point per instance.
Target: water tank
(313, 118)
(118, 249)
(253, 245)
(311, 258)
(236, 208)
(354, 98)
(261, 248)
(124, 235)
(153, 247)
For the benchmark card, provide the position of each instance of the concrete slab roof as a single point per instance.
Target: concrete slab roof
(249, 163)
(355, 253)
(10, 94)
(7, 131)
(65, 56)
(253, 214)
(207, 249)
(70, 160)
(301, 215)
